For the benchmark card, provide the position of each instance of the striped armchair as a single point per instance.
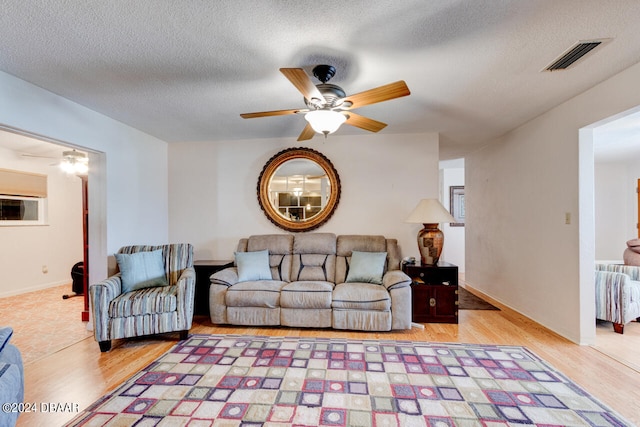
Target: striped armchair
(617, 294)
(146, 311)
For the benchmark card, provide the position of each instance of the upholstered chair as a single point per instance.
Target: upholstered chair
(617, 294)
(128, 304)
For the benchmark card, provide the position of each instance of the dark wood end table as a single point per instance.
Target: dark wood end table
(434, 292)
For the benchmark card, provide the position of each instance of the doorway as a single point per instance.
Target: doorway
(43, 258)
(609, 170)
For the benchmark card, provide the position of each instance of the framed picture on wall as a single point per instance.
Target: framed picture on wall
(456, 205)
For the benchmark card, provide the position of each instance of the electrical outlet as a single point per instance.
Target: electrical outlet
(567, 217)
(45, 269)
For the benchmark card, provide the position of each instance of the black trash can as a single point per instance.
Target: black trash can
(77, 285)
(77, 275)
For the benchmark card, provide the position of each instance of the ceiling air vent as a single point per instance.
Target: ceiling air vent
(574, 54)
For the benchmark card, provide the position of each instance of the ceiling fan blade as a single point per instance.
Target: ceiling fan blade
(307, 133)
(37, 156)
(379, 94)
(303, 83)
(269, 113)
(365, 123)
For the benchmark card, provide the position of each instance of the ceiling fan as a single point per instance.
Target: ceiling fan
(72, 161)
(328, 106)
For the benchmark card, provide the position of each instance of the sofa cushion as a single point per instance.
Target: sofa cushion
(141, 270)
(345, 244)
(361, 296)
(307, 294)
(366, 267)
(314, 243)
(145, 301)
(253, 265)
(314, 267)
(314, 257)
(261, 293)
(281, 244)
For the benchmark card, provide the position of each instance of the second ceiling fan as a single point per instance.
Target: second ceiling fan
(328, 106)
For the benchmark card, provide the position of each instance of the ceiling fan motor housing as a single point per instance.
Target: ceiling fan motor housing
(332, 94)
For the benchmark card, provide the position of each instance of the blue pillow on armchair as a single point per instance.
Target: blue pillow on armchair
(141, 270)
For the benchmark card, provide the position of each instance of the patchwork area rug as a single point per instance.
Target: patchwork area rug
(235, 380)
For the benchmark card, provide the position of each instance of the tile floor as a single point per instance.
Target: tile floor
(43, 322)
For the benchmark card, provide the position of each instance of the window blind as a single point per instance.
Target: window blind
(16, 183)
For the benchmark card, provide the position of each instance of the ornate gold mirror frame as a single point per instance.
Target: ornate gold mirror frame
(298, 189)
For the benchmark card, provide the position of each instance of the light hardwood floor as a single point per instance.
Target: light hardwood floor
(80, 374)
(624, 348)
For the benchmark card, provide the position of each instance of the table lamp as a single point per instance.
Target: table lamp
(430, 213)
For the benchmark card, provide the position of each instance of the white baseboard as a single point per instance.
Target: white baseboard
(34, 288)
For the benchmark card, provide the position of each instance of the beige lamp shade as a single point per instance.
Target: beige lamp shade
(430, 212)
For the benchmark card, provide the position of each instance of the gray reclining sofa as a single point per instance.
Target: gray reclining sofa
(314, 283)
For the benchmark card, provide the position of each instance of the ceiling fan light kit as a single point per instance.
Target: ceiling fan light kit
(325, 121)
(74, 162)
(327, 104)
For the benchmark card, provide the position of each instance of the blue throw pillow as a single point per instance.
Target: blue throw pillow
(366, 267)
(141, 270)
(253, 265)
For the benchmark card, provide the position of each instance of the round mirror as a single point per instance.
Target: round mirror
(298, 189)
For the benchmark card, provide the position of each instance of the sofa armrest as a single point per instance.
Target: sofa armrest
(218, 303)
(395, 279)
(226, 277)
(100, 296)
(11, 374)
(108, 289)
(186, 293)
(220, 282)
(11, 387)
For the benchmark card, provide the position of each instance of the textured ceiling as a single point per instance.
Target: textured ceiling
(185, 70)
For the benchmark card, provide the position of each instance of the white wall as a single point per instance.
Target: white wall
(518, 190)
(452, 174)
(615, 207)
(128, 182)
(213, 188)
(25, 250)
